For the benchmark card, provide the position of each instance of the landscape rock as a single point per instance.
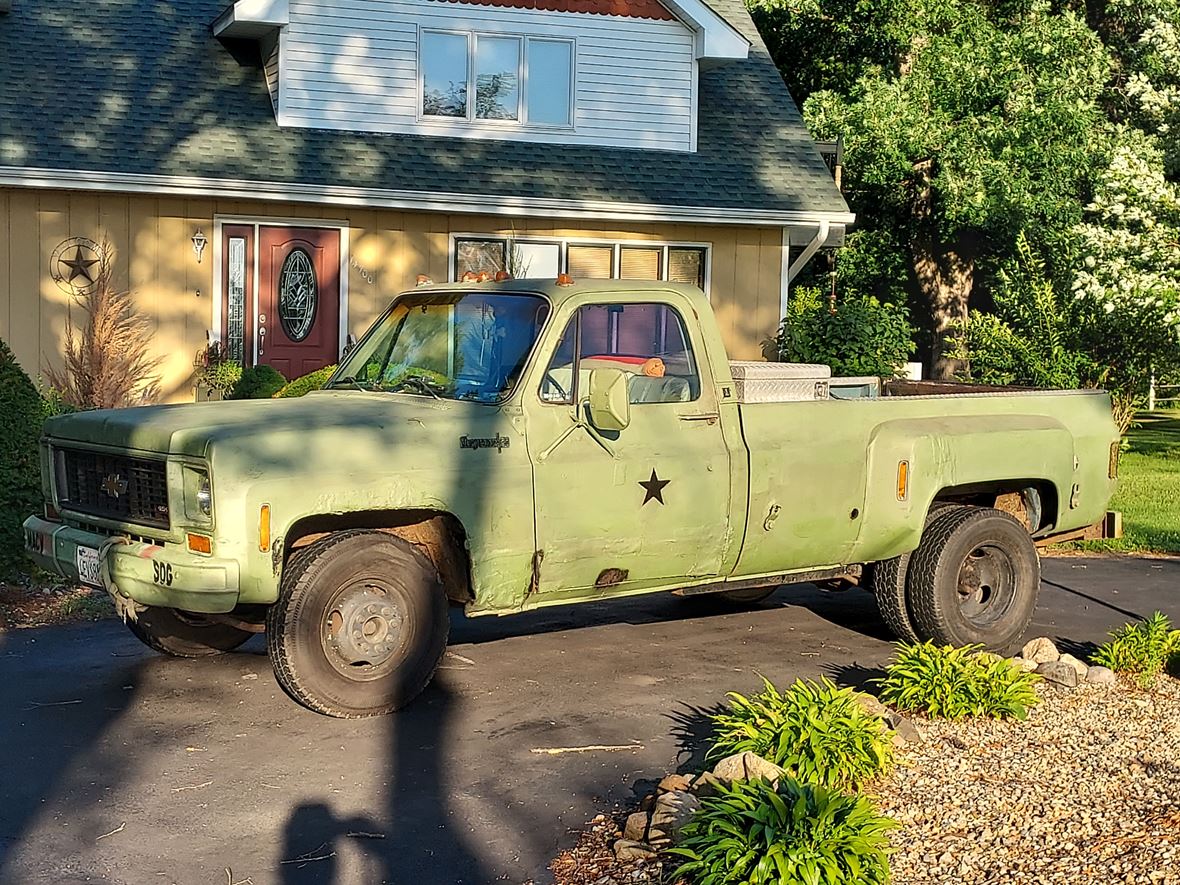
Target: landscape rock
(635, 829)
(904, 731)
(746, 766)
(1080, 666)
(1100, 676)
(1023, 663)
(1040, 650)
(871, 705)
(673, 811)
(674, 783)
(705, 785)
(629, 851)
(1059, 672)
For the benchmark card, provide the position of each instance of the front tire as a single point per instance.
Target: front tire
(974, 579)
(360, 625)
(184, 634)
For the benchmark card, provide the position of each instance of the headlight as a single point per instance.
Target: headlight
(205, 495)
(198, 495)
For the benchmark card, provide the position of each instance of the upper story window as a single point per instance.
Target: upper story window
(471, 76)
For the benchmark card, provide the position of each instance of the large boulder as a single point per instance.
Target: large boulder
(1041, 650)
(746, 766)
(1100, 676)
(1060, 673)
(629, 851)
(1079, 666)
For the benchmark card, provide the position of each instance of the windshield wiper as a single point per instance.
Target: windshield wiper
(351, 381)
(416, 382)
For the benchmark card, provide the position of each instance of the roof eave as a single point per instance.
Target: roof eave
(423, 201)
(252, 19)
(717, 40)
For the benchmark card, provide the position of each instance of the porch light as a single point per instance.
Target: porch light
(199, 243)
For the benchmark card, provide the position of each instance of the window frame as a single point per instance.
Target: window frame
(575, 319)
(564, 243)
(521, 122)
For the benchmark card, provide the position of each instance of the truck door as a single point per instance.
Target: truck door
(650, 502)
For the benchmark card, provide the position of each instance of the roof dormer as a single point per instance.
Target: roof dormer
(617, 73)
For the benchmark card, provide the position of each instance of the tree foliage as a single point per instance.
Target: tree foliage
(855, 336)
(20, 470)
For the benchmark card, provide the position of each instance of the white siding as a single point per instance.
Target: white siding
(353, 65)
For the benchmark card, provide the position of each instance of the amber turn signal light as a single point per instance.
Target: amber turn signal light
(200, 544)
(264, 528)
(565, 280)
(502, 275)
(903, 480)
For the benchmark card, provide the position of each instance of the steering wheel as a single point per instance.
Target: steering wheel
(549, 379)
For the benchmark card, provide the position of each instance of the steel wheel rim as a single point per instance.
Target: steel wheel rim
(986, 585)
(363, 630)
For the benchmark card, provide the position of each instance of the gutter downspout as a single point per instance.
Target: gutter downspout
(792, 269)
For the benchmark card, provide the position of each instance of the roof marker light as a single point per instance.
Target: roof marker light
(502, 275)
(565, 280)
(423, 280)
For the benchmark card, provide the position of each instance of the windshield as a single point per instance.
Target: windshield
(449, 345)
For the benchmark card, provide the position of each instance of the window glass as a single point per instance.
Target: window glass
(640, 263)
(591, 262)
(647, 342)
(497, 78)
(551, 68)
(444, 74)
(535, 260)
(298, 295)
(236, 301)
(687, 266)
(451, 345)
(478, 256)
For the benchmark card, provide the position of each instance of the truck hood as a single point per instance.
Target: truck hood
(192, 429)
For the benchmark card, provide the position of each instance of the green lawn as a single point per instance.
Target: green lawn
(1149, 488)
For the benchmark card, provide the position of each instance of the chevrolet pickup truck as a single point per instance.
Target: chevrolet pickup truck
(510, 445)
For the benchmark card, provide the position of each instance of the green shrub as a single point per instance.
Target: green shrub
(307, 383)
(954, 683)
(751, 832)
(258, 382)
(20, 465)
(862, 337)
(222, 377)
(1143, 649)
(819, 733)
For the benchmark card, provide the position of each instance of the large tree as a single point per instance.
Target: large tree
(988, 125)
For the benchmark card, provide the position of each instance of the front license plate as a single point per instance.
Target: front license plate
(87, 562)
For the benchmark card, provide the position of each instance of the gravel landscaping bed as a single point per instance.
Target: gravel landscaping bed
(1086, 790)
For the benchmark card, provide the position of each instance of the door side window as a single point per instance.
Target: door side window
(647, 342)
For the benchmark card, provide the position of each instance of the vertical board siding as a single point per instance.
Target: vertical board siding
(154, 259)
(354, 66)
(270, 68)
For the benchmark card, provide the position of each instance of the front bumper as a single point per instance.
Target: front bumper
(167, 576)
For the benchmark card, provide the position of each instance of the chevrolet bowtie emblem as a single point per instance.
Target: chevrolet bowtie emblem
(114, 485)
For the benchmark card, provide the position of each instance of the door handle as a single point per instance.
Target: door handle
(708, 419)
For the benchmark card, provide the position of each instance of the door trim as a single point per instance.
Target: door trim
(219, 221)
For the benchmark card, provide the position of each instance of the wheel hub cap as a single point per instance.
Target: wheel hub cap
(364, 627)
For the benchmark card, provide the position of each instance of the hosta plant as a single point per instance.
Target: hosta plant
(754, 833)
(955, 683)
(816, 731)
(1143, 649)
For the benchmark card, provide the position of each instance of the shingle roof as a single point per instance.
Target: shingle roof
(142, 87)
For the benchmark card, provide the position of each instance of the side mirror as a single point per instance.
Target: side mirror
(610, 407)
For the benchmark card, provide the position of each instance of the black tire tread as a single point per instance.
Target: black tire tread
(280, 616)
(929, 616)
(214, 639)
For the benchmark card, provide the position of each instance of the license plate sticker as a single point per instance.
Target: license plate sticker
(87, 562)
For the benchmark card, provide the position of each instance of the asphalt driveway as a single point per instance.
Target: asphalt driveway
(120, 766)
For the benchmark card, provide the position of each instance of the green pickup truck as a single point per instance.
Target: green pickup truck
(510, 445)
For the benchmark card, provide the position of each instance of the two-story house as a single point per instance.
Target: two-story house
(269, 174)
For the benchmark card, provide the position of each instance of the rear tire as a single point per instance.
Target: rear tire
(184, 634)
(360, 625)
(890, 577)
(974, 579)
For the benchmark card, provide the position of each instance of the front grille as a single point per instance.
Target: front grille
(115, 487)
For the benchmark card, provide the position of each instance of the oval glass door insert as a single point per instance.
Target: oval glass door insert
(298, 295)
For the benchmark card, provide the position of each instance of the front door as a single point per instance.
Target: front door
(651, 503)
(298, 323)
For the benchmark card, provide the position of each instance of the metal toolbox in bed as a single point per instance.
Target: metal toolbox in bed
(758, 382)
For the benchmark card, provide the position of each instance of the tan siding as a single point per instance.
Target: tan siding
(387, 249)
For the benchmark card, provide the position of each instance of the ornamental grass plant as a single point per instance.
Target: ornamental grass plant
(817, 732)
(946, 682)
(1142, 650)
(756, 833)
